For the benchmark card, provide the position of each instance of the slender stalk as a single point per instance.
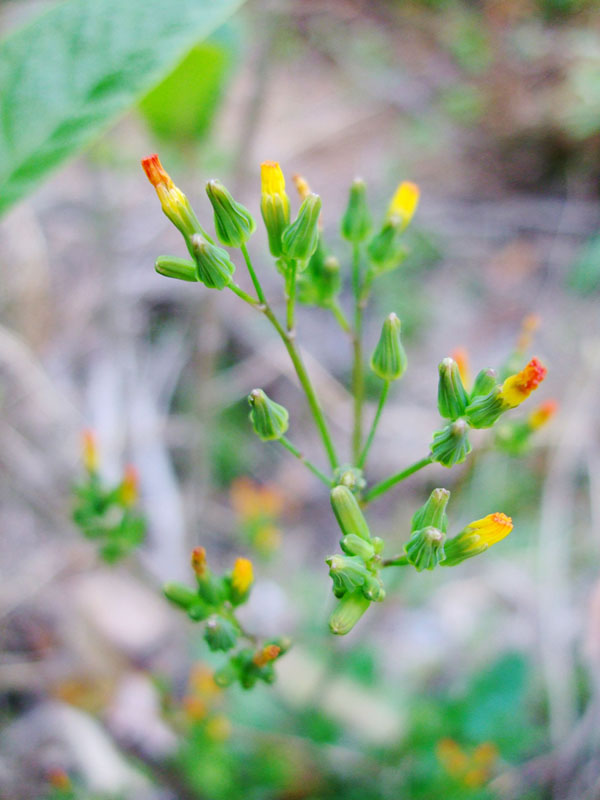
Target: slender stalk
(291, 295)
(340, 317)
(253, 275)
(295, 452)
(358, 379)
(382, 398)
(397, 561)
(300, 369)
(382, 487)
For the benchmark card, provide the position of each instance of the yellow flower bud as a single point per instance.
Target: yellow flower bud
(90, 451)
(242, 576)
(403, 204)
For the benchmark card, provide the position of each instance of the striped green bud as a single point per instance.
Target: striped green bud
(484, 410)
(215, 268)
(234, 224)
(180, 595)
(389, 361)
(384, 252)
(353, 545)
(348, 611)
(300, 239)
(485, 381)
(220, 633)
(425, 549)
(451, 445)
(373, 589)
(433, 512)
(452, 395)
(356, 222)
(181, 268)
(348, 514)
(274, 204)
(269, 419)
(347, 573)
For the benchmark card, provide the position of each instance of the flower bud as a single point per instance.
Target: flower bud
(389, 360)
(320, 283)
(373, 589)
(452, 397)
(198, 561)
(403, 205)
(274, 204)
(299, 240)
(477, 537)
(451, 445)
(484, 410)
(541, 415)
(347, 612)
(174, 203)
(353, 545)
(433, 512)
(241, 580)
(215, 268)
(485, 382)
(128, 491)
(269, 419)
(234, 224)
(90, 452)
(383, 250)
(425, 549)
(266, 655)
(220, 633)
(348, 514)
(180, 595)
(180, 268)
(226, 675)
(350, 477)
(378, 544)
(517, 388)
(346, 572)
(356, 222)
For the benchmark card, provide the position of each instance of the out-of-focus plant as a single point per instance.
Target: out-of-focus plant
(258, 509)
(312, 275)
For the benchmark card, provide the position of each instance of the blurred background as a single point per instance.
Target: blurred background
(477, 682)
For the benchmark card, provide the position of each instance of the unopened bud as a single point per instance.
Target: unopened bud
(346, 572)
(174, 203)
(433, 513)
(220, 633)
(348, 611)
(353, 545)
(215, 268)
(90, 451)
(180, 268)
(226, 675)
(199, 562)
(477, 537)
(485, 381)
(373, 589)
(484, 410)
(242, 577)
(269, 419)
(180, 595)
(356, 222)
(234, 224)
(451, 445)
(389, 360)
(517, 388)
(274, 204)
(403, 205)
(452, 396)
(383, 250)
(425, 549)
(299, 240)
(541, 415)
(350, 477)
(268, 653)
(128, 493)
(348, 514)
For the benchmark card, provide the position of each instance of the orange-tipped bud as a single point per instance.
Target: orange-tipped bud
(301, 185)
(403, 204)
(461, 356)
(529, 326)
(129, 486)
(541, 415)
(517, 388)
(199, 561)
(242, 576)
(266, 655)
(477, 537)
(172, 200)
(90, 451)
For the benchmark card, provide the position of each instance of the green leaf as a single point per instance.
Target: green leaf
(69, 74)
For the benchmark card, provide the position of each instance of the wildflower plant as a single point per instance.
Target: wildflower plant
(312, 275)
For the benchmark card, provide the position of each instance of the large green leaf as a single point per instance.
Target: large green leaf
(65, 77)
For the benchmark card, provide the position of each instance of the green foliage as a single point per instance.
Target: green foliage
(65, 77)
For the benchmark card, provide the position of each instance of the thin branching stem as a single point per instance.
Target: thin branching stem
(382, 487)
(253, 275)
(382, 398)
(358, 378)
(295, 452)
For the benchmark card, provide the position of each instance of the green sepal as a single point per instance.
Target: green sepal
(451, 445)
(425, 550)
(348, 514)
(356, 222)
(354, 545)
(275, 210)
(484, 411)
(269, 420)
(300, 239)
(234, 224)
(212, 589)
(180, 268)
(215, 268)
(347, 612)
(220, 633)
(452, 395)
(346, 572)
(389, 360)
(433, 512)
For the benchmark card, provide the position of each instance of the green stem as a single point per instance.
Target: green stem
(382, 487)
(244, 296)
(340, 317)
(291, 295)
(253, 275)
(383, 397)
(358, 379)
(397, 561)
(295, 452)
